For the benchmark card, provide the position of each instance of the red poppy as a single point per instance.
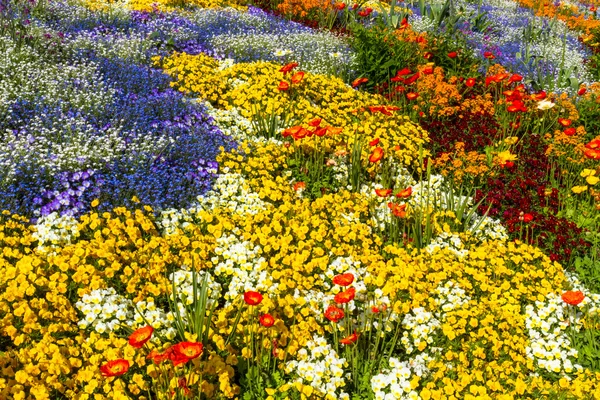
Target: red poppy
(114, 368)
(252, 298)
(297, 132)
(297, 77)
(315, 122)
(350, 339)
(383, 192)
(570, 131)
(346, 296)
(283, 86)
(489, 55)
(339, 6)
(404, 72)
(582, 91)
(573, 297)
(452, 54)
(592, 154)
(593, 9)
(594, 144)
(398, 210)
(141, 336)
(412, 95)
(515, 78)
(564, 122)
(334, 313)
(366, 12)
(406, 193)
(185, 350)
(375, 109)
(374, 142)
(266, 320)
(344, 279)
(539, 96)
(412, 79)
(288, 67)
(376, 155)
(359, 81)
(527, 218)
(470, 82)
(320, 132)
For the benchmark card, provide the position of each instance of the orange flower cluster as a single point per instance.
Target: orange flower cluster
(461, 165)
(406, 34)
(570, 15)
(304, 8)
(314, 129)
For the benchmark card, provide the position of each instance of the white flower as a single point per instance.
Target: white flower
(545, 105)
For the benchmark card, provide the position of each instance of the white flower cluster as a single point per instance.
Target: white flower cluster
(485, 228)
(547, 323)
(419, 326)
(319, 366)
(447, 241)
(449, 296)
(171, 221)
(394, 382)
(146, 313)
(183, 280)
(231, 192)
(241, 262)
(104, 310)
(54, 230)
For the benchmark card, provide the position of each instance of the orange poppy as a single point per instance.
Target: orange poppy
(594, 144)
(252, 298)
(315, 122)
(366, 12)
(283, 86)
(592, 153)
(573, 297)
(320, 132)
(156, 356)
(374, 142)
(266, 320)
(350, 339)
(376, 155)
(359, 81)
(334, 313)
(397, 210)
(339, 6)
(564, 122)
(114, 368)
(383, 192)
(346, 296)
(297, 77)
(141, 336)
(189, 350)
(299, 186)
(403, 194)
(539, 96)
(515, 78)
(288, 67)
(344, 279)
(412, 95)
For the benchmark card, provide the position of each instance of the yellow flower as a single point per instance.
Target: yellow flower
(579, 189)
(592, 180)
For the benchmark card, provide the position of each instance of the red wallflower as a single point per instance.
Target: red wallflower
(346, 296)
(343, 279)
(252, 298)
(141, 336)
(334, 313)
(573, 298)
(266, 320)
(114, 368)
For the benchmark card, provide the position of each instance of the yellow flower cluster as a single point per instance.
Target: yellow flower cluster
(162, 5)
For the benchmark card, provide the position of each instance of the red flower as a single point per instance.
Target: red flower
(350, 339)
(297, 77)
(359, 81)
(581, 91)
(452, 54)
(428, 70)
(564, 122)
(489, 55)
(527, 218)
(594, 144)
(283, 86)
(508, 164)
(376, 155)
(315, 122)
(412, 95)
(114, 368)
(184, 352)
(374, 142)
(570, 131)
(344, 279)
(156, 357)
(141, 336)
(403, 72)
(299, 186)
(573, 298)
(406, 193)
(334, 313)
(383, 192)
(297, 132)
(470, 82)
(515, 78)
(288, 67)
(592, 153)
(252, 298)
(346, 296)
(539, 96)
(427, 55)
(366, 12)
(339, 6)
(398, 210)
(266, 320)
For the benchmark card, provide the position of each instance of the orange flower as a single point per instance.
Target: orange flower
(412, 95)
(374, 142)
(315, 122)
(266, 320)
(573, 298)
(515, 78)
(428, 70)
(283, 86)
(350, 339)
(339, 6)
(397, 210)
(141, 336)
(376, 155)
(114, 368)
(359, 81)
(288, 67)
(592, 153)
(297, 77)
(156, 356)
(297, 132)
(383, 192)
(334, 313)
(346, 296)
(594, 144)
(184, 351)
(344, 279)
(406, 193)
(299, 186)
(564, 122)
(252, 298)
(539, 96)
